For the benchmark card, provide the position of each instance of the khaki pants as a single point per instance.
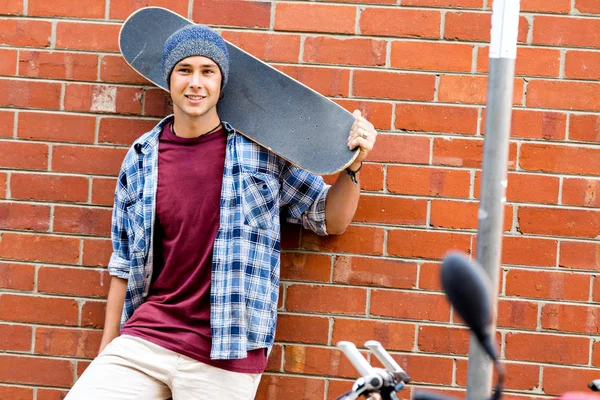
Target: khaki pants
(130, 368)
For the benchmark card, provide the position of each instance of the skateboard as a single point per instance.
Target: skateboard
(262, 103)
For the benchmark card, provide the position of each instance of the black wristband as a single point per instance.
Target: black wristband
(353, 173)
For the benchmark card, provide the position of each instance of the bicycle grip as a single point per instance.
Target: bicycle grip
(430, 396)
(357, 359)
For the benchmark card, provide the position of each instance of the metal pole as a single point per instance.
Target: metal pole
(503, 52)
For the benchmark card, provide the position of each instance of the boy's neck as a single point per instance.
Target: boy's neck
(186, 127)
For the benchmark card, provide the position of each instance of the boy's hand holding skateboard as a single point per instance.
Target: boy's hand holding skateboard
(362, 135)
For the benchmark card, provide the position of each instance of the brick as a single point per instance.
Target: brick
(587, 6)
(582, 65)
(314, 329)
(123, 130)
(585, 128)
(96, 252)
(379, 114)
(391, 210)
(58, 65)
(25, 33)
(56, 127)
(16, 393)
(3, 181)
(67, 342)
(305, 267)
(290, 387)
(565, 95)
(315, 18)
(24, 216)
(571, 318)
(394, 336)
(15, 337)
(275, 359)
(558, 6)
(51, 394)
(317, 361)
(103, 191)
(103, 99)
(393, 85)
(7, 121)
(24, 155)
(565, 31)
(80, 220)
(67, 8)
(400, 22)
(517, 377)
(429, 276)
(425, 56)
(559, 222)
(93, 314)
(87, 160)
(474, 26)
(157, 103)
(317, 298)
(596, 289)
(8, 65)
(41, 310)
(410, 305)
(468, 89)
(402, 149)
(17, 276)
(73, 281)
(531, 61)
(596, 354)
(266, 46)
(12, 7)
(517, 314)
(54, 249)
(123, 8)
(538, 124)
(434, 118)
(461, 215)
(88, 36)
(580, 255)
(426, 181)
(443, 340)
(355, 51)
(558, 349)
(520, 188)
(414, 243)
(251, 14)
(534, 252)
(581, 192)
(36, 371)
(547, 285)
(327, 81)
(371, 177)
(561, 159)
(427, 368)
(465, 152)
(557, 381)
(444, 3)
(356, 239)
(47, 187)
(30, 94)
(365, 271)
(116, 70)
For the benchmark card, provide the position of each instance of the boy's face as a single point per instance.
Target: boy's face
(195, 87)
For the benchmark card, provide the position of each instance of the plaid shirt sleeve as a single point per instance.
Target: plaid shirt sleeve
(303, 197)
(119, 263)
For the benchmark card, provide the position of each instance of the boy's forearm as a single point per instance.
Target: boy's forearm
(114, 309)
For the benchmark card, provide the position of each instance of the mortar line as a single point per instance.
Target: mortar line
(16, 124)
(25, 7)
(7, 185)
(107, 10)
(190, 9)
(563, 60)
(53, 35)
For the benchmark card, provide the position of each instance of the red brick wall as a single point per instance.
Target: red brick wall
(69, 107)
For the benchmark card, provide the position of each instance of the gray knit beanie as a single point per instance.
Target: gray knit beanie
(195, 40)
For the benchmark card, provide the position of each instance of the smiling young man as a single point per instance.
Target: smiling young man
(192, 306)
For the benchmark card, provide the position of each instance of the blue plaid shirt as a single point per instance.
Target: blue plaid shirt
(245, 268)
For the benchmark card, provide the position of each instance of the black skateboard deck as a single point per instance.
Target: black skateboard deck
(262, 103)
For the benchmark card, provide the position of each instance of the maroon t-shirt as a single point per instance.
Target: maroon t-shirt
(176, 313)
